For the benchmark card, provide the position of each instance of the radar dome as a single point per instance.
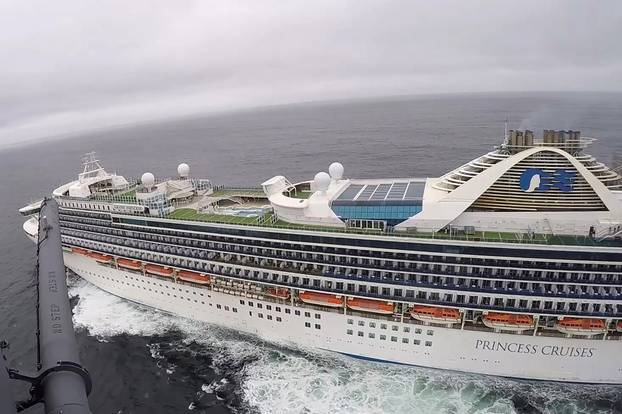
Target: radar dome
(336, 171)
(183, 170)
(148, 180)
(321, 181)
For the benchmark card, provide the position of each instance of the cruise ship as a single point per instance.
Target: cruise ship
(510, 265)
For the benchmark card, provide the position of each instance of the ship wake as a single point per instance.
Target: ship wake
(255, 376)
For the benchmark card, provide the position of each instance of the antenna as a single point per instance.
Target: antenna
(505, 131)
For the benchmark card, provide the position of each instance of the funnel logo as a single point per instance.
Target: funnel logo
(535, 179)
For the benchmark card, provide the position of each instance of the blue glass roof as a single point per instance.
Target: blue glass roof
(392, 191)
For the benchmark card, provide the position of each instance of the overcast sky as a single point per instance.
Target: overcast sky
(71, 65)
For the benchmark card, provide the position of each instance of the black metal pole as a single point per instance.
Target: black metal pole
(65, 385)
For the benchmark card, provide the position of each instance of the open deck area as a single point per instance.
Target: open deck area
(186, 212)
(269, 220)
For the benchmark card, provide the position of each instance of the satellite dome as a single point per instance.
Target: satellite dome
(336, 171)
(321, 181)
(148, 180)
(183, 170)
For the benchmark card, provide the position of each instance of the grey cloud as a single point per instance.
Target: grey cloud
(76, 64)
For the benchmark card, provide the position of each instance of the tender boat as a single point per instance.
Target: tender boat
(370, 305)
(193, 277)
(581, 326)
(159, 270)
(101, 258)
(78, 250)
(322, 299)
(508, 321)
(129, 264)
(280, 293)
(434, 314)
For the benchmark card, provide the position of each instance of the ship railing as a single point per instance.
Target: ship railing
(513, 277)
(614, 294)
(510, 236)
(392, 298)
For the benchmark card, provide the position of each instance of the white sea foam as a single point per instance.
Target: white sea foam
(278, 379)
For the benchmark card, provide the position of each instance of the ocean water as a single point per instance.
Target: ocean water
(145, 361)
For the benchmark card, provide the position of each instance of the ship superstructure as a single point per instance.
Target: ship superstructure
(509, 265)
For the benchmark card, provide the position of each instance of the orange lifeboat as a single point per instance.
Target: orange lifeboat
(619, 326)
(79, 250)
(129, 264)
(159, 270)
(322, 299)
(101, 258)
(508, 321)
(581, 326)
(434, 314)
(281, 293)
(370, 305)
(193, 277)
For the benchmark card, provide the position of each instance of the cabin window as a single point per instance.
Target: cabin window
(394, 339)
(361, 323)
(360, 333)
(416, 342)
(317, 326)
(383, 337)
(430, 332)
(350, 321)
(372, 335)
(404, 340)
(372, 324)
(349, 332)
(307, 324)
(428, 343)
(407, 329)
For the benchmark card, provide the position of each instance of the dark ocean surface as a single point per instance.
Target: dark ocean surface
(143, 361)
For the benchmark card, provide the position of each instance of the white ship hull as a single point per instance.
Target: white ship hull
(483, 352)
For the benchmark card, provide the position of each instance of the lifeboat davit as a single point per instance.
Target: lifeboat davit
(434, 314)
(101, 258)
(129, 264)
(193, 277)
(370, 305)
(508, 321)
(322, 299)
(79, 250)
(581, 326)
(281, 293)
(159, 270)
